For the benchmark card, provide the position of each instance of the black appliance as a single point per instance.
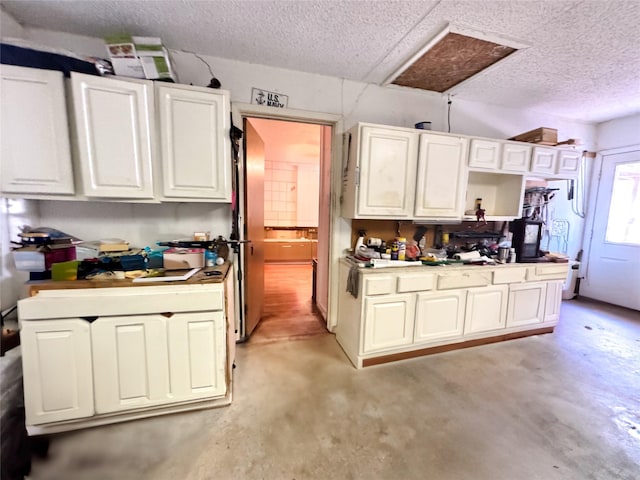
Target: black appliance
(526, 239)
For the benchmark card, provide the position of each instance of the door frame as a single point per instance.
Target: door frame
(339, 228)
(593, 198)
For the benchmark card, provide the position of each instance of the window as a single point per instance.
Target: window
(623, 224)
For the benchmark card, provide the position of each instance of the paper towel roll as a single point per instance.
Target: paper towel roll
(467, 255)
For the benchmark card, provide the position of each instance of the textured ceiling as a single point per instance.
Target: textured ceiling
(581, 62)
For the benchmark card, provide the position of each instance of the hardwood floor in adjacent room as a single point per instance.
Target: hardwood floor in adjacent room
(289, 312)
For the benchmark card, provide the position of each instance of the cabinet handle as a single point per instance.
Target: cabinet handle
(286, 246)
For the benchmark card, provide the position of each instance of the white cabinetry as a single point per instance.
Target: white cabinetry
(35, 156)
(381, 169)
(484, 154)
(526, 304)
(405, 312)
(568, 163)
(553, 301)
(195, 150)
(56, 364)
(441, 177)
(130, 362)
(388, 322)
(114, 121)
(439, 315)
(555, 162)
(486, 308)
(140, 351)
(499, 156)
(397, 173)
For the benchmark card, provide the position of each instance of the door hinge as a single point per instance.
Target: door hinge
(357, 176)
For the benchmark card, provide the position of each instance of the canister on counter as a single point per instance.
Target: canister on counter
(395, 247)
(402, 248)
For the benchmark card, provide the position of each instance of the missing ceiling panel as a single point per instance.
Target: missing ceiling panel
(453, 58)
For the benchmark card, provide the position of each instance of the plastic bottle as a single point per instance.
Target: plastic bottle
(210, 258)
(394, 250)
(402, 248)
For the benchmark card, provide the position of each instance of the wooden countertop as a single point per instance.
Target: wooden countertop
(36, 285)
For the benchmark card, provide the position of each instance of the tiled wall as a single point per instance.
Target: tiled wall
(280, 194)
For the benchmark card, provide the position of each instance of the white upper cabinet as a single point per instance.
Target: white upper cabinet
(442, 176)
(381, 169)
(115, 135)
(543, 160)
(568, 163)
(195, 148)
(484, 154)
(35, 156)
(499, 156)
(515, 157)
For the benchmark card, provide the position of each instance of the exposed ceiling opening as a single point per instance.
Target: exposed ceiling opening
(450, 58)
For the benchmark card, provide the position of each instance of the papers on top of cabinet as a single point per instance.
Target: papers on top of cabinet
(172, 278)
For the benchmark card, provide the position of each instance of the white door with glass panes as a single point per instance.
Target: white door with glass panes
(35, 155)
(387, 169)
(612, 236)
(194, 138)
(442, 176)
(130, 362)
(486, 308)
(439, 315)
(56, 364)
(114, 120)
(388, 322)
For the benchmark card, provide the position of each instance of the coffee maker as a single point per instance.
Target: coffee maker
(526, 239)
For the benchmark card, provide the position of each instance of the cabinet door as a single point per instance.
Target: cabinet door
(484, 154)
(526, 304)
(442, 176)
(387, 172)
(388, 322)
(553, 301)
(544, 160)
(196, 151)
(56, 363)
(197, 355)
(35, 156)
(130, 362)
(439, 315)
(568, 163)
(114, 123)
(486, 308)
(515, 157)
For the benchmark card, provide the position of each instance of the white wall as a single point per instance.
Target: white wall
(9, 27)
(618, 133)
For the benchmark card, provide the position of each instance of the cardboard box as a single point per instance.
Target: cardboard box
(541, 136)
(183, 258)
(139, 57)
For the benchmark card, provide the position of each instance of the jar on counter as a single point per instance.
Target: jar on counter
(402, 248)
(395, 247)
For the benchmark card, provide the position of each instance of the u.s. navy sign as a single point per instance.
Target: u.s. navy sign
(269, 99)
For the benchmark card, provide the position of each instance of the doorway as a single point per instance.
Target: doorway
(289, 181)
(613, 256)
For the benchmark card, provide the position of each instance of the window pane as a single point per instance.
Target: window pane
(623, 225)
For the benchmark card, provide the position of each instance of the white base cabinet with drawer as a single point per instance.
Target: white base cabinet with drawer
(122, 355)
(407, 312)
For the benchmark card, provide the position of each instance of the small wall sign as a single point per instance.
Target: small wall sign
(269, 99)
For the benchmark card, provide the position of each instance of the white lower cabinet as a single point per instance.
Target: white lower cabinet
(116, 366)
(130, 362)
(197, 355)
(389, 322)
(553, 301)
(526, 303)
(56, 365)
(439, 315)
(486, 308)
(406, 312)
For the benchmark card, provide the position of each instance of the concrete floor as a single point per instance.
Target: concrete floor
(558, 406)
